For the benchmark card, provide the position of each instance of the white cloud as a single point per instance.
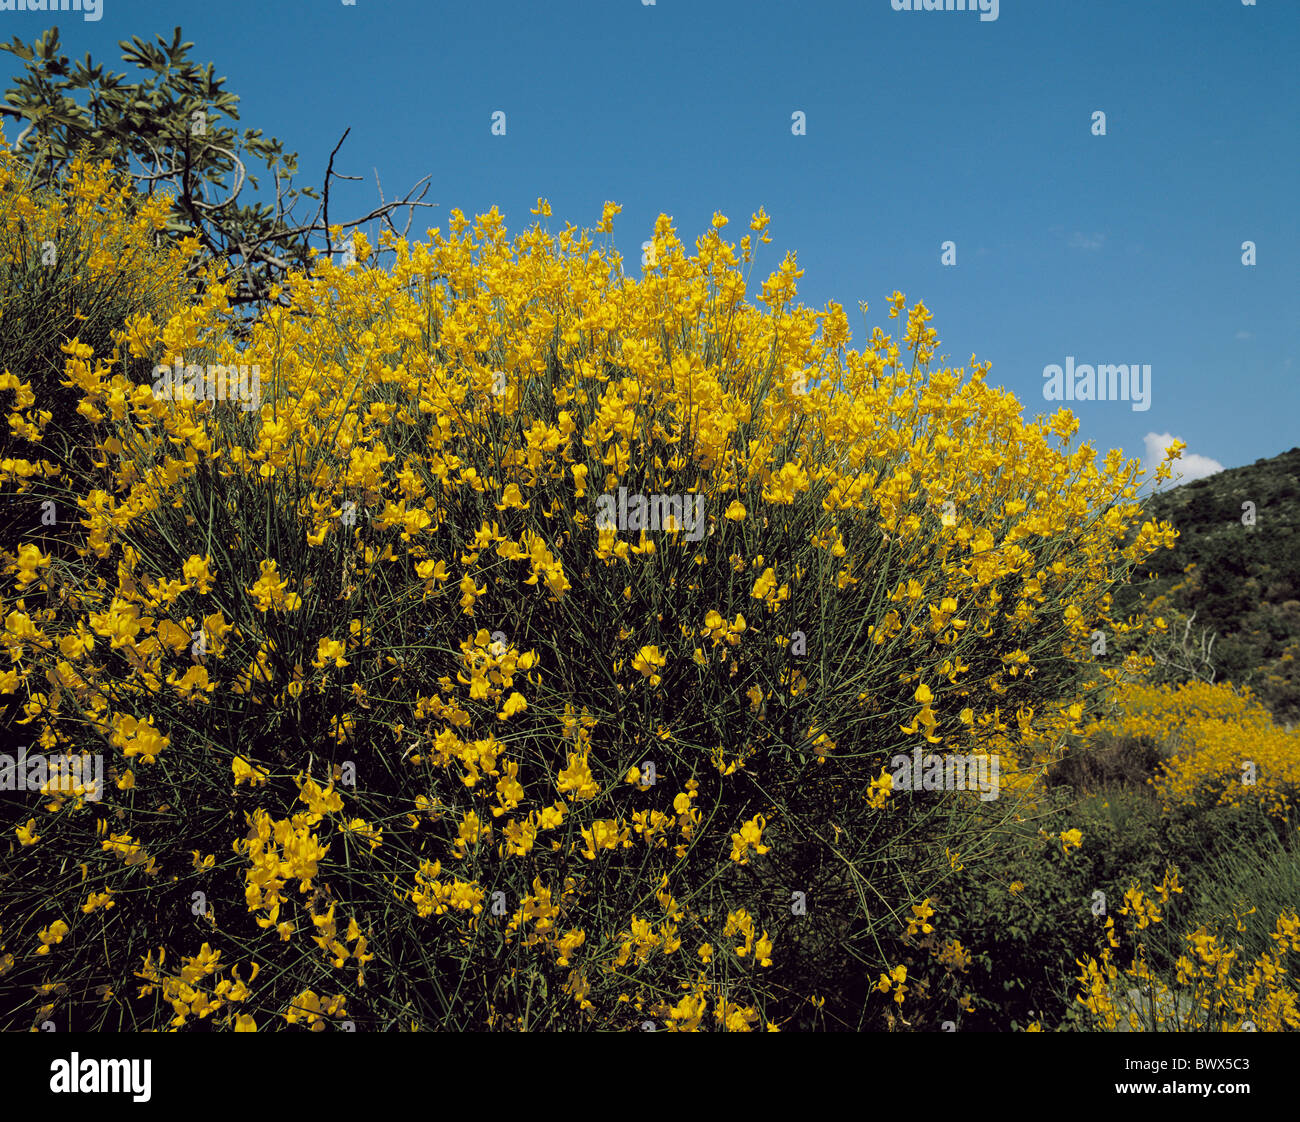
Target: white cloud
(1244, 335)
(1187, 467)
(1086, 241)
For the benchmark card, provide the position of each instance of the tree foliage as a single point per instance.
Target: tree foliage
(171, 130)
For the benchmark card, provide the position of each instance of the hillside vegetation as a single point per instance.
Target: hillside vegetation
(1231, 591)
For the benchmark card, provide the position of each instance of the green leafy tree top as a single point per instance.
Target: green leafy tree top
(170, 130)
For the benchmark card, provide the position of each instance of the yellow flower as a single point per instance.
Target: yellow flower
(881, 790)
(576, 780)
(596, 401)
(515, 703)
(647, 661)
(198, 573)
(750, 836)
(98, 899)
(606, 223)
(319, 802)
(894, 980)
(30, 559)
(604, 834)
(327, 649)
(138, 738)
(51, 936)
(921, 914)
(374, 837)
(268, 591)
(246, 772)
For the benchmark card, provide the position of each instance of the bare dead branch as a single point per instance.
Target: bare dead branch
(329, 169)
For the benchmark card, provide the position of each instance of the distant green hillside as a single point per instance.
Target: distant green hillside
(1242, 582)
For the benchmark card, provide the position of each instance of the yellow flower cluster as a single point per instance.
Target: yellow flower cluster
(740, 922)
(434, 897)
(1214, 987)
(278, 851)
(750, 837)
(312, 1010)
(1225, 748)
(91, 192)
(187, 996)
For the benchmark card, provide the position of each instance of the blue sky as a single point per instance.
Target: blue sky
(921, 128)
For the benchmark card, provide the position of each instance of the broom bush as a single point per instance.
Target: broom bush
(406, 724)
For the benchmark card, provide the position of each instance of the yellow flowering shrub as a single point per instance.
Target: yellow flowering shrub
(1223, 747)
(554, 629)
(1212, 987)
(1165, 713)
(75, 262)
